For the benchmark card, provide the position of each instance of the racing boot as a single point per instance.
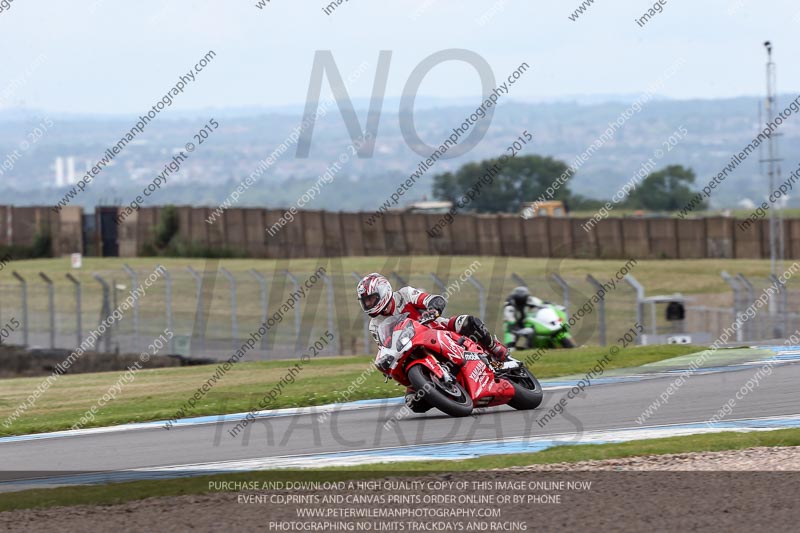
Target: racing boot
(498, 351)
(476, 330)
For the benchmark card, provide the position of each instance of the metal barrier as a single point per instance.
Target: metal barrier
(211, 319)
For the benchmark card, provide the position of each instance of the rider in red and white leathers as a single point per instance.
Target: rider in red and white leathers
(379, 301)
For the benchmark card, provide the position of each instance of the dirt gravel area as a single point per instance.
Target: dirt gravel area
(723, 491)
(774, 459)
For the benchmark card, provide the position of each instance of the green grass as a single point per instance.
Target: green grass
(121, 492)
(557, 363)
(156, 394)
(688, 276)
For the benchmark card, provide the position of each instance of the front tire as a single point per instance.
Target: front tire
(417, 405)
(528, 392)
(451, 399)
(567, 342)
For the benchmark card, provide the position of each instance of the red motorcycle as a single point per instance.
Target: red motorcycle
(449, 371)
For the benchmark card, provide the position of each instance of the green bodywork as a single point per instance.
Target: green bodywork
(543, 337)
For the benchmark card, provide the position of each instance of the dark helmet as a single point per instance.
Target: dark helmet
(519, 297)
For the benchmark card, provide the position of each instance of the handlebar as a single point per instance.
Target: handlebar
(427, 319)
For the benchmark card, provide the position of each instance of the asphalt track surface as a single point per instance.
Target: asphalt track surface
(600, 407)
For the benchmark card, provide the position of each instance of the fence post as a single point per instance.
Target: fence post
(736, 301)
(297, 318)
(78, 317)
(601, 308)
(784, 303)
(134, 286)
(168, 304)
(105, 310)
(564, 289)
(400, 280)
(262, 282)
(234, 322)
(481, 296)
(331, 310)
(24, 293)
(198, 314)
(367, 335)
(114, 306)
(633, 282)
(51, 308)
(439, 283)
(518, 280)
(748, 325)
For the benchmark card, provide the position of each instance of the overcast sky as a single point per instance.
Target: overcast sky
(111, 56)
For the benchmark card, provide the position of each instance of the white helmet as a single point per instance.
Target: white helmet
(374, 293)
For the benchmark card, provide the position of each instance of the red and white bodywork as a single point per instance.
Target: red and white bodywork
(406, 342)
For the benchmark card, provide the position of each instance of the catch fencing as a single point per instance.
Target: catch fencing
(775, 320)
(213, 312)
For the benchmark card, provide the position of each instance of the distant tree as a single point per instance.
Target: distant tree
(42, 244)
(503, 186)
(578, 202)
(665, 190)
(166, 241)
(167, 228)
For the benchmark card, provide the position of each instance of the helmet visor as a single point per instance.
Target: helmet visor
(368, 301)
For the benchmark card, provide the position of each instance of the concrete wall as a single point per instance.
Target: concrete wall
(20, 225)
(691, 239)
(332, 234)
(323, 233)
(720, 237)
(68, 237)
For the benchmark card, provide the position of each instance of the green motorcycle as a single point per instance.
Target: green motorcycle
(547, 327)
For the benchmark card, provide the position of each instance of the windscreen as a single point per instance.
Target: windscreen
(386, 328)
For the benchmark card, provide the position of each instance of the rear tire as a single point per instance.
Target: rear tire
(450, 399)
(528, 392)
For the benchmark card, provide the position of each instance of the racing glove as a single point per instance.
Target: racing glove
(435, 306)
(429, 315)
(436, 303)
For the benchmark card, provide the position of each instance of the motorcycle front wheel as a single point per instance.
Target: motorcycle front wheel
(567, 342)
(450, 398)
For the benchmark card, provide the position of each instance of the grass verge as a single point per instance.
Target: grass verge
(689, 276)
(157, 394)
(121, 492)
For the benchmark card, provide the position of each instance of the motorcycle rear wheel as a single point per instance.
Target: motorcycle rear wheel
(451, 399)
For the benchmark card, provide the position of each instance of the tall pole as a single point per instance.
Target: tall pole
(773, 171)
